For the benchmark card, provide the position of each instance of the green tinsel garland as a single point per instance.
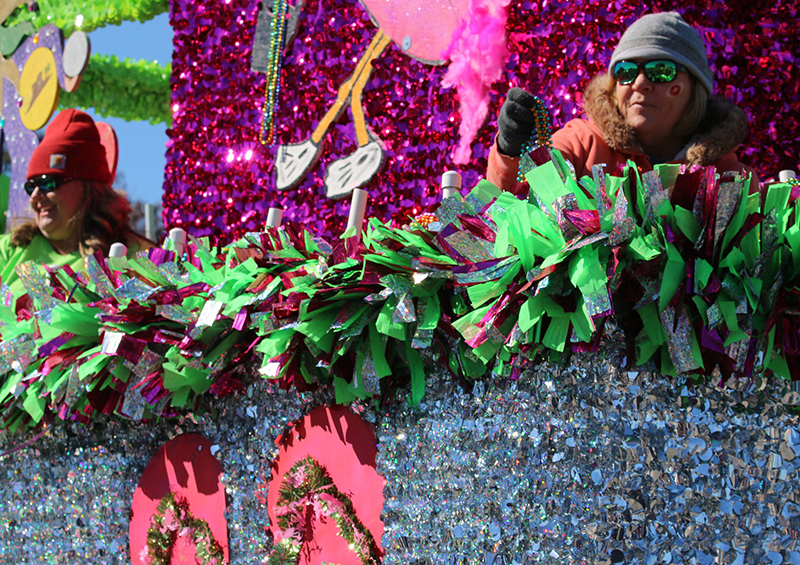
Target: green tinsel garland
(285, 552)
(95, 13)
(161, 539)
(315, 482)
(704, 281)
(131, 90)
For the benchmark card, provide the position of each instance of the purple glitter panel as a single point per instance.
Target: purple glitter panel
(20, 141)
(220, 180)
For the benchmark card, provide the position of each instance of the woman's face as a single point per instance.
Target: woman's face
(654, 109)
(55, 210)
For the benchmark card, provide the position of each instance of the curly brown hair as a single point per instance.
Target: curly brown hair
(102, 221)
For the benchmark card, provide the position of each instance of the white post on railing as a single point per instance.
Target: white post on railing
(178, 238)
(274, 217)
(117, 250)
(150, 220)
(451, 183)
(358, 207)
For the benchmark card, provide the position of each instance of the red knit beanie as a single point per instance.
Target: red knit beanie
(71, 147)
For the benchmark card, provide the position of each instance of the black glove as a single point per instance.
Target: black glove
(516, 122)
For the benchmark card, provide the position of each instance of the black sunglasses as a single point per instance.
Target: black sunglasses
(661, 70)
(46, 183)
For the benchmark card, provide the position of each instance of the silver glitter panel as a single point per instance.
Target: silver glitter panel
(173, 273)
(102, 284)
(148, 362)
(658, 194)
(134, 405)
(562, 203)
(6, 298)
(401, 287)
(680, 340)
(568, 465)
(36, 285)
(209, 313)
(597, 303)
(599, 176)
(66, 498)
(573, 464)
(472, 248)
(491, 273)
(727, 198)
(176, 313)
(369, 377)
(134, 289)
(16, 354)
(451, 207)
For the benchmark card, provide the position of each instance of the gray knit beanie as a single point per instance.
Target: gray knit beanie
(665, 36)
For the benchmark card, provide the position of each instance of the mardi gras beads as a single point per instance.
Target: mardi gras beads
(540, 137)
(273, 87)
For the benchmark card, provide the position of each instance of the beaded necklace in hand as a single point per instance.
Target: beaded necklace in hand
(539, 138)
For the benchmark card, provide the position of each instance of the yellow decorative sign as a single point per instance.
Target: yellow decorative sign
(38, 88)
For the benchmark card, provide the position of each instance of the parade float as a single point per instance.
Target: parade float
(604, 371)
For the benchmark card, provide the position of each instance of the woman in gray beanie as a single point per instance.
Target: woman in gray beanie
(654, 105)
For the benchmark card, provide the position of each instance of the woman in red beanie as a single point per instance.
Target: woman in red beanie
(76, 211)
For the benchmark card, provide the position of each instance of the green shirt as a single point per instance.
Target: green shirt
(41, 251)
(38, 250)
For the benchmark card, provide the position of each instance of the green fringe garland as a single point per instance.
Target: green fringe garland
(95, 13)
(130, 90)
(703, 279)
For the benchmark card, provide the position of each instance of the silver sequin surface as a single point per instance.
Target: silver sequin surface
(572, 464)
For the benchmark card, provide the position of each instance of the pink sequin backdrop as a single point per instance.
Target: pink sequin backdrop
(213, 189)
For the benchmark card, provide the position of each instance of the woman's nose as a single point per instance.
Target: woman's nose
(642, 83)
(37, 194)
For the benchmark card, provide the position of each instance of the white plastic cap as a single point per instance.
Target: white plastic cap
(358, 208)
(451, 179)
(787, 174)
(274, 217)
(177, 235)
(117, 250)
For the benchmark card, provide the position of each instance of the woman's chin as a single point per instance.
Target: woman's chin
(640, 123)
(51, 231)
(45, 225)
(646, 129)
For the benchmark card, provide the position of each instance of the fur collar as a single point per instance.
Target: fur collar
(722, 130)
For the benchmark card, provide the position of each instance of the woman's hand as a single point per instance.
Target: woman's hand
(516, 122)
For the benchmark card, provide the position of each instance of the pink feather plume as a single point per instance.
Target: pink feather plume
(477, 55)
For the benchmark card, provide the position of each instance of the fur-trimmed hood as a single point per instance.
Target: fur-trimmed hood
(722, 130)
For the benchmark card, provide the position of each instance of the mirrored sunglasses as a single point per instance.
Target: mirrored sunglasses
(659, 71)
(46, 183)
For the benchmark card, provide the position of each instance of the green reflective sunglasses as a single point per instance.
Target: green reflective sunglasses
(625, 72)
(46, 183)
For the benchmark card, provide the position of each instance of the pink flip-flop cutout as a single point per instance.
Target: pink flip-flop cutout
(345, 445)
(186, 467)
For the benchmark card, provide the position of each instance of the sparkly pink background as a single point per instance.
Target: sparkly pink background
(555, 47)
